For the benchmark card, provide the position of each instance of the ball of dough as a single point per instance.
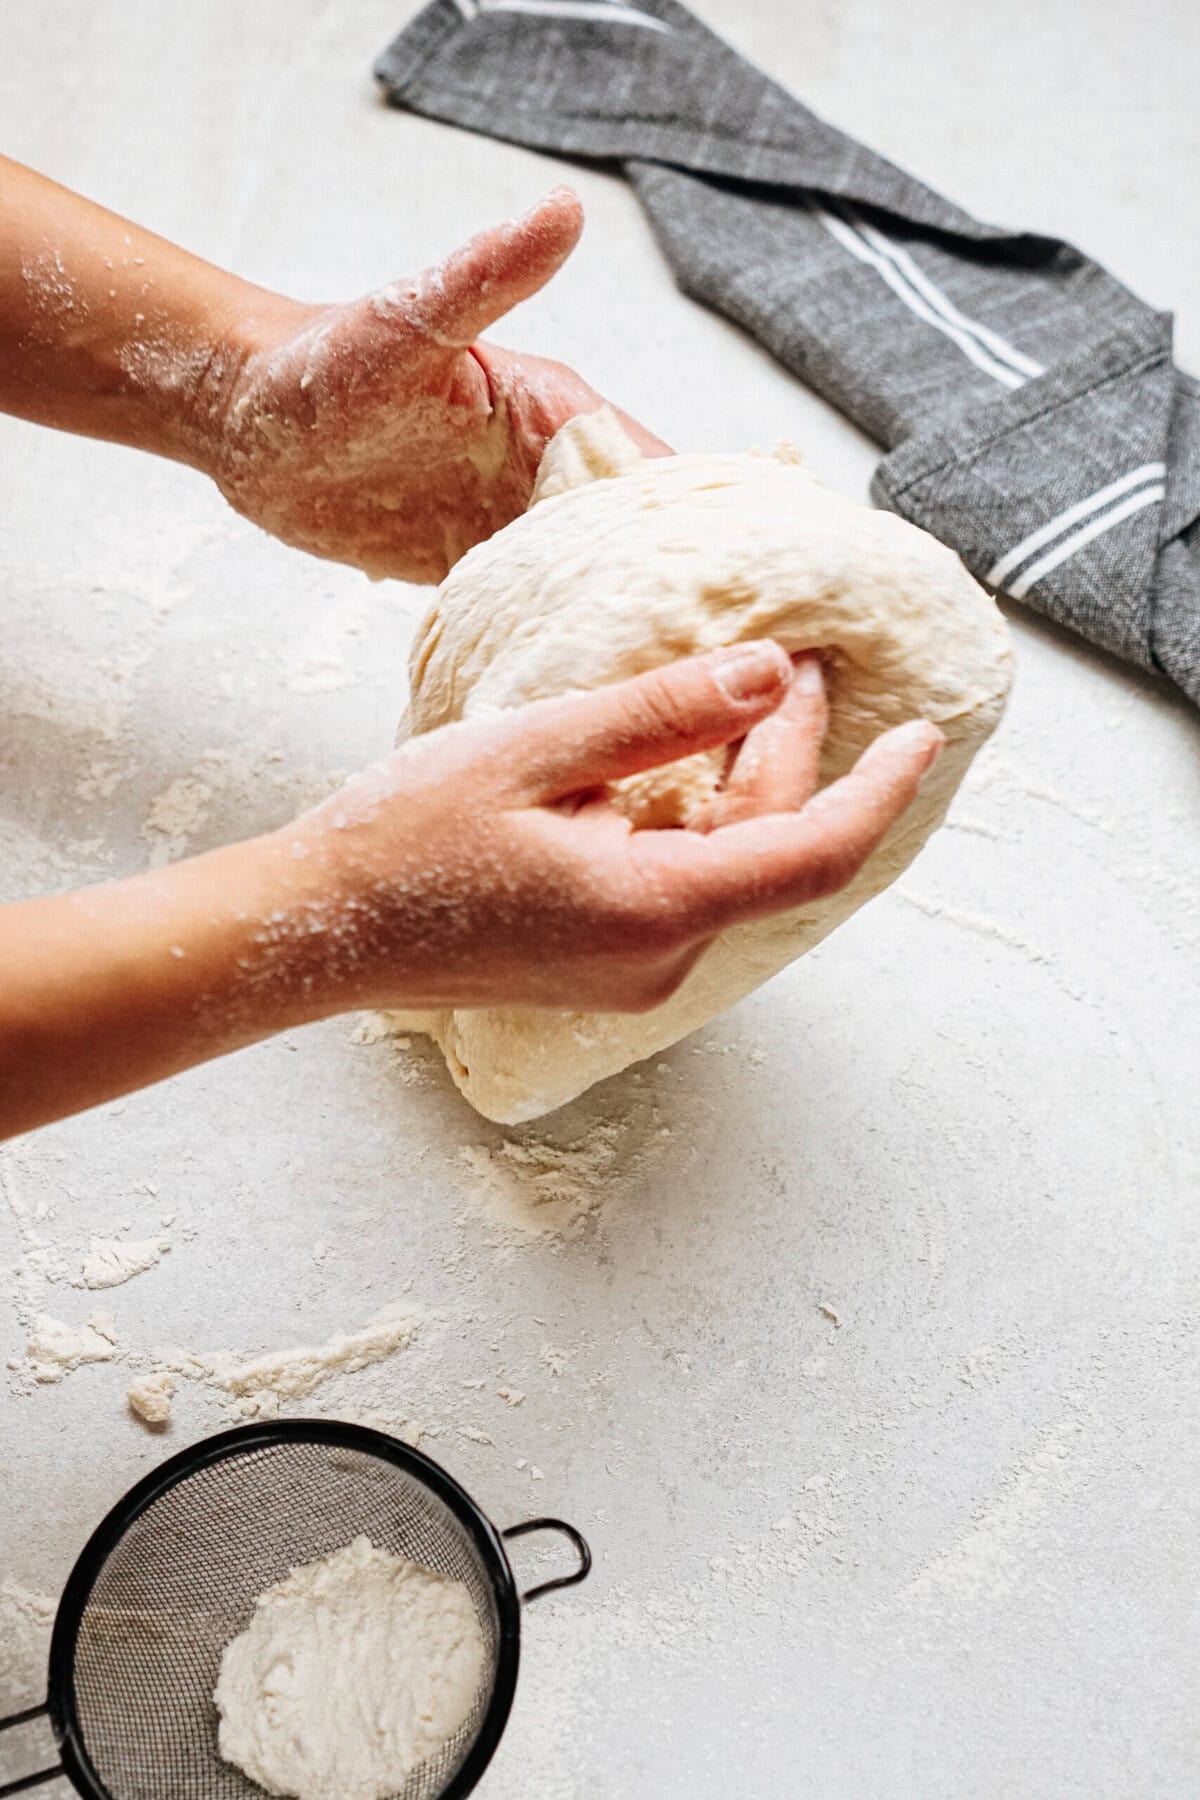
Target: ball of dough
(624, 563)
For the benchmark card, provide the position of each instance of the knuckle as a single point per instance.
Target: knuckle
(660, 710)
(828, 867)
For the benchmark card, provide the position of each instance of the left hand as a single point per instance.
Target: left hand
(381, 433)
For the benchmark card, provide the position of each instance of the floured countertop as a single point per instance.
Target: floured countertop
(859, 1333)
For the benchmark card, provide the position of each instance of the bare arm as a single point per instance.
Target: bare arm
(381, 432)
(451, 874)
(109, 331)
(384, 433)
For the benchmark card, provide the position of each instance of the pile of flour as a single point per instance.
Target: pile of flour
(351, 1672)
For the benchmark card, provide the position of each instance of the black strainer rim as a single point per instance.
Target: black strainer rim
(61, 1699)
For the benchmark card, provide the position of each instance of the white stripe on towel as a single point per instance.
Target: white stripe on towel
(1082, 509)
(614, 14)
(968, 342)
(1095, 528)
(991, 340)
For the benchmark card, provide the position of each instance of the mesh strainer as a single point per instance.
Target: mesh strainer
(173, 1573)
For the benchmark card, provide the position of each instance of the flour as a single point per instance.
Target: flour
(114, 1260)
(56, 1348)
(322, 675)
(294, 1373)
(256, 1386)
(185, 804)
(150, 1396)
(533, 1187)
(180, 809)
(353, 1671)
(536, 1186)
(26, 1621)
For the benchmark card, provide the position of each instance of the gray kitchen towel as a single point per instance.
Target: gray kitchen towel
(1027, 402)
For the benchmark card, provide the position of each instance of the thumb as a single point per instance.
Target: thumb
(451, 304)
(582, 741)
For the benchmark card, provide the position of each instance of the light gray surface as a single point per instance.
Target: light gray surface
(945, 1547)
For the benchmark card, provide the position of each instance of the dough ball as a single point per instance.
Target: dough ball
(624, 563)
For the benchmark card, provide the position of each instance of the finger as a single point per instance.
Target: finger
(776, 767)
(498, 268)
(546, 395)
(647, 443)
(561, 747)
(770, 864)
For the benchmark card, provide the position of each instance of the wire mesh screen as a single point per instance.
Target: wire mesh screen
(183, 1581)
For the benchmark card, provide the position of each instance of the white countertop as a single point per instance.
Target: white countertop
(944, 1547)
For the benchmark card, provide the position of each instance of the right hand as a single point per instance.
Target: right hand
(483, 864)
(386, 433)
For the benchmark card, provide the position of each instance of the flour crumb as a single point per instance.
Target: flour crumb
(830, 1312)
(372, 1028)
(56, 1348)
(110, 1262)
(475, 1436)
(511, 1396)
(555, 1359)
(150, 1396)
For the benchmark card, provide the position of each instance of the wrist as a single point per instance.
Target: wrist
(242, 325)
(308, 952)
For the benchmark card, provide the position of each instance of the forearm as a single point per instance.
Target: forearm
(110, 331)
(106, 989)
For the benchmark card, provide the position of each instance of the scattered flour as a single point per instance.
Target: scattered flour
(150, 1396)
(174, 815)
(26, 1621)
(321, 675)
(534, 1186)
(113, 1260)
(185, 804)
(993, 932)
(409, 1431)
(291, 1374)
(373, 1028)
(56, 1348)
(353, 1671)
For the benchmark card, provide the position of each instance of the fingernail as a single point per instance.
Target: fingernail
(563, 191)
(923, 735)
(808, 677)
(747, 671)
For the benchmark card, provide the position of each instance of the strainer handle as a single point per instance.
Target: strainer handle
(26, 1781)
(576, 1538)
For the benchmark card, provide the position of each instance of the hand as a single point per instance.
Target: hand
(483, 864)
(479, 865)
(381, 433)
